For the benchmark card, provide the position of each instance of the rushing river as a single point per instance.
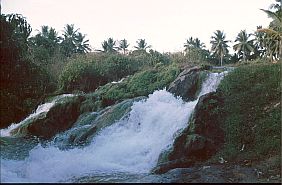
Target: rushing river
(126, 151)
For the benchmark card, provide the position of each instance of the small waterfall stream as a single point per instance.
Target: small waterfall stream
(43, 108)
(132, 145)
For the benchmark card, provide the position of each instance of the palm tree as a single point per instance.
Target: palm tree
(142, 45)
(198, 44)
(189, 43)
(244, 45)
(193, 43)
(47, 39)
(70, 32)
(104, 46)
(273, 40)
(259, 42)
(276, 14)
(69, 39)
(194, 49)
(273, 43)
(219, 45)
(109, 46)
(50, 35)
(123, 45)
(82, 45)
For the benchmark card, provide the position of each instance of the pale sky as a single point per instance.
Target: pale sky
(165, 24)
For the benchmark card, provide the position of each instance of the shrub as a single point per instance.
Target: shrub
(82, 74)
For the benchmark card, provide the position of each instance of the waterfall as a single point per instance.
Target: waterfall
(131, 145)
(44, 108)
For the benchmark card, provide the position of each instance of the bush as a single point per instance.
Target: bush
(82, 74)
(115, 67)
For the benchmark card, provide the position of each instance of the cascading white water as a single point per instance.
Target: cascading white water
(131, 145)
(40, 109)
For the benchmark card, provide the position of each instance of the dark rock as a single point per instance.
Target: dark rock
(178, 163)
(200, 140)
(211, 174)
(59, 118)
(187, 84)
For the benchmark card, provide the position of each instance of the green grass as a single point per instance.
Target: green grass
(252, 112)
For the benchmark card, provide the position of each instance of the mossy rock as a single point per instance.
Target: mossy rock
(59, 118)
(188, 83)
(89, 124)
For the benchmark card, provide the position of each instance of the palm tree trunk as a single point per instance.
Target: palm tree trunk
(280, 49)
(221, 57)
(244, 57)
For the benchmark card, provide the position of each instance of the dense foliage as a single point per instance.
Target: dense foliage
(22, 81)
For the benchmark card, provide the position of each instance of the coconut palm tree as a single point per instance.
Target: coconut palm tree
(142, 45)
(273, 40)
(82, 45)
(244, 46)
(104, 46)
(108, 46)
(189, 43)
(193, 43)
(273, 43)
(199, 44)
(219, 44)
(275, 12)
(50, 35)
(111, 45)
(69, 38)
(45, 43)
(259, 43)
(123, 45)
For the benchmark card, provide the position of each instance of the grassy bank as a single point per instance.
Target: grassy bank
(252, 114)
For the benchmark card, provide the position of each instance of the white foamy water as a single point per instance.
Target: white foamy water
(131, 145)
(40, 109)
(212, 82)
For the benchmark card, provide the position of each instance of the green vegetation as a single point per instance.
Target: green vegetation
(140, 84)
(195, 50)
(35, 67)
(123, 45)
(252, 112)
(142, 45)
(109, 46)
(244, 46)
(272, 36)
(22, 81)
(219, 45)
